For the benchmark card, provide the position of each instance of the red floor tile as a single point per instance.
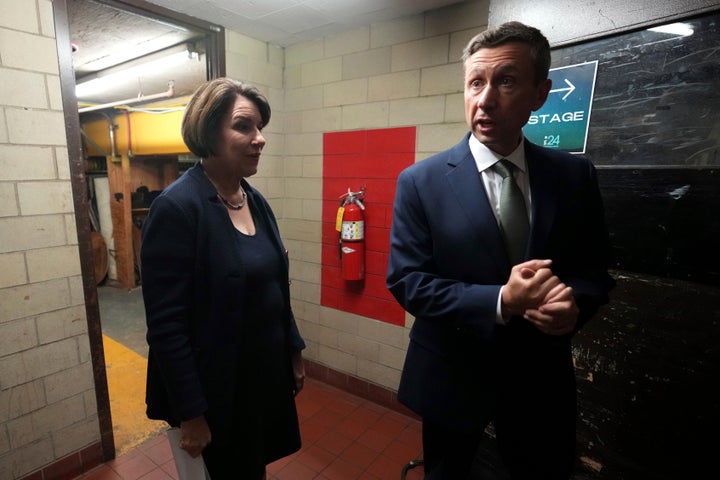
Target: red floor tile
(344, 438)
(103, 472)
(385, 468)
(400, 451)
(328, 418)
(344, 406)
(366, 414)
(359, 455)
(278, 465)
(411, 436)
(316, 458)
(375, 440)
(169, 468)
(159, 451)
(352, 428)
(157, 474)
(334, 442)
(135, 468)
(390, 425)
(311, 431)
(341, 469)
(296, 471)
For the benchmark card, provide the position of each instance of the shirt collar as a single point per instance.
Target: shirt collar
(486, 158)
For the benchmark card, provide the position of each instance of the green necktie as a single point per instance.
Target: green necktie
(514, 222)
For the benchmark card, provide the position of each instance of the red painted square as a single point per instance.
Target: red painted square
(345, 142)
(352, 160)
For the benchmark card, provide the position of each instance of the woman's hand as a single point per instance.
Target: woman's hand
(195, 435)
(298, 372)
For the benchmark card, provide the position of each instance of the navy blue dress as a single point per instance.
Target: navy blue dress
(265, 416)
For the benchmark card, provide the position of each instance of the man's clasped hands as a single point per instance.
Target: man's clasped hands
(537, 294)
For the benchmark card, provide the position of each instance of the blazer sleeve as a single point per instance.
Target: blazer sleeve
(168, 258)
(426, 283)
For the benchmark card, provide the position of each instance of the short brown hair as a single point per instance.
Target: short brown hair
(514, 32)
(208, 105)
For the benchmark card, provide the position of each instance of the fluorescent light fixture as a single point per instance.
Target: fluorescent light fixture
(679, 29)
(131, 71)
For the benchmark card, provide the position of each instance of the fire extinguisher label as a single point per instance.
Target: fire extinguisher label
(338, 219)
(353, 230)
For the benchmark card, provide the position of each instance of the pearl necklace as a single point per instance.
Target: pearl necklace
(231, 206)
(234, 206)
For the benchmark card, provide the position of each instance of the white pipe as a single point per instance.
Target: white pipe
(111, 127)
(167, 94)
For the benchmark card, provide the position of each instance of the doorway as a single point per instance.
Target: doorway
(96, 39)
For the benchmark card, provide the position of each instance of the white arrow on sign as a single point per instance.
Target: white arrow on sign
(569, 89)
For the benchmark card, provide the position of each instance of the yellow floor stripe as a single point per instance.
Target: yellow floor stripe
(126, 373)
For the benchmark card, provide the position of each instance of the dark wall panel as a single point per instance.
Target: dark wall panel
(655, 137)
(570, 21)
(647, 371)
(648, 364)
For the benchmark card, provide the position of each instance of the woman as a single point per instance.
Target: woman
(225, 360)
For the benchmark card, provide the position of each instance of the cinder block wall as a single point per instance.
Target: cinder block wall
(47, 394)
(403, 73)
(261, 65)
(396, 74)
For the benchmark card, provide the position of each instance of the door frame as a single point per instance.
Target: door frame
(215, 55)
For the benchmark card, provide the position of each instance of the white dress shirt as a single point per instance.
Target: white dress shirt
(486, 158)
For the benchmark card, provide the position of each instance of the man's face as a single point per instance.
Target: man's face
(500, 94)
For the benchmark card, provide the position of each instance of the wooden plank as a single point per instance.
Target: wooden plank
(120, 206)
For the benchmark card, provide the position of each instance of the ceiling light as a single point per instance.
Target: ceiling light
(132, 71)
(680, 29)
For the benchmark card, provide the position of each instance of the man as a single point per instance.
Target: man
(494, 322)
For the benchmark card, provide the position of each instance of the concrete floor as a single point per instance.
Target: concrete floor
(122, 316)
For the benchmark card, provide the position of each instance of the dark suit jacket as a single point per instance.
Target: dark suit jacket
(447, 264)
(192, 281)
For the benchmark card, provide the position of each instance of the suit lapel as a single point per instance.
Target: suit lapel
(543, 188)
(466, 183)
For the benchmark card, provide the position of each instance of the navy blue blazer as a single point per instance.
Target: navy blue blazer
(448, 261)
(192, 281)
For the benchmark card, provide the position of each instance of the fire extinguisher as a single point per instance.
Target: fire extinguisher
(351, 225)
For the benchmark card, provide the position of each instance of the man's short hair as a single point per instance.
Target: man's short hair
(514, 32)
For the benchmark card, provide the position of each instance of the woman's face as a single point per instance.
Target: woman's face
(239, 138)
